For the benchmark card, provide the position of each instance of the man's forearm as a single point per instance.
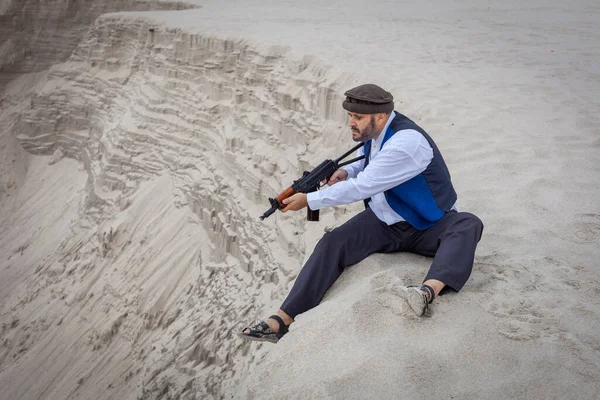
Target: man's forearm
(344, 192)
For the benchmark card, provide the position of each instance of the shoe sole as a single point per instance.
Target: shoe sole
(416, 301)
(258, 339)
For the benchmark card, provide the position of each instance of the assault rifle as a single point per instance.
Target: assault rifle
(310, 182)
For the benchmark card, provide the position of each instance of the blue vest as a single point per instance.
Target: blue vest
(423, 200)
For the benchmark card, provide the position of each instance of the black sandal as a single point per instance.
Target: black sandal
(262, 332)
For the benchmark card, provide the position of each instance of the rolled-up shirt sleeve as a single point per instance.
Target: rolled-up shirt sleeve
(404, 156)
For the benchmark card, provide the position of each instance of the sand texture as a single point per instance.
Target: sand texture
(140, 140)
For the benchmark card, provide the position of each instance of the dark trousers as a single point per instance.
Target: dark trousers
(451, 243)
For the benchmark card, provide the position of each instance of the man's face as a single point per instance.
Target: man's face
(363, 126)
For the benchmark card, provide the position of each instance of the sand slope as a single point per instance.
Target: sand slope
(134, 170)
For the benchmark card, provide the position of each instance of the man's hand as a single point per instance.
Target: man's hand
(296, 202)
(338, 176)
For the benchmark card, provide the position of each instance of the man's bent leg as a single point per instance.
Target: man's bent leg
(452, 243)
(346, 245)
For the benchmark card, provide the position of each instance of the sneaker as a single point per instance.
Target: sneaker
(419, 297)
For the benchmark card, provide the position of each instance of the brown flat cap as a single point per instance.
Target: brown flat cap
(368, 99)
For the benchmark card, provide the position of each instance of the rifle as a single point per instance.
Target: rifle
(310, 182)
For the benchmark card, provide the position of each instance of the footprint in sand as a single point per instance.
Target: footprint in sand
(519, 318)
(505, 288)
(588, 231)
(518, 314)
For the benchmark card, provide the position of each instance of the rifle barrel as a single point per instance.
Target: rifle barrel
(268, 212)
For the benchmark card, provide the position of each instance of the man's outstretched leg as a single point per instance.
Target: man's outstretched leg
(346, 245)
(452, 243)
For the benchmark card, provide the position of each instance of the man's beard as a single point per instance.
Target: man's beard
(368, 133)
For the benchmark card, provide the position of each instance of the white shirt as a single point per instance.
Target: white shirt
(405, 155)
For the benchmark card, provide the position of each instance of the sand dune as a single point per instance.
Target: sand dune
(138, 149)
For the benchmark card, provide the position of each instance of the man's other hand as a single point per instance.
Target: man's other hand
(296, 202)
(338, 176)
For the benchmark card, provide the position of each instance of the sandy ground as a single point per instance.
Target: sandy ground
(133, 174)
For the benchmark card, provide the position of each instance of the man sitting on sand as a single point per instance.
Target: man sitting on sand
(410, 206)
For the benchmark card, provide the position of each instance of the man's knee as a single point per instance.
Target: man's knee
(340, 234)
(471, 222)
(332, 240)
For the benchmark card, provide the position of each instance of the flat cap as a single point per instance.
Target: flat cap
(368, 99)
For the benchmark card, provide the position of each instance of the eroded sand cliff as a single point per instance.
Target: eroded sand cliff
(138, 149)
